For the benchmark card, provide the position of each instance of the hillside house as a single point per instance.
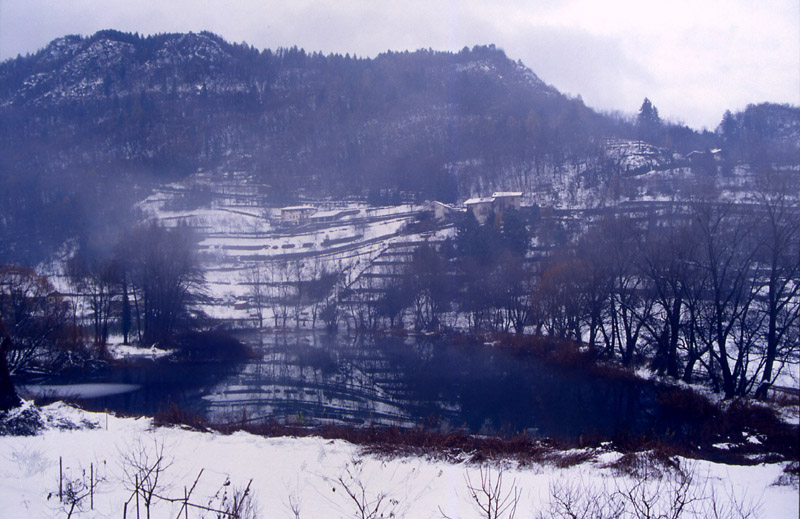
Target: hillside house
(297, 214)
(327, 216)
(504, 200)
(480, 208)
(498, 203)
(442, 211)
(698, 156)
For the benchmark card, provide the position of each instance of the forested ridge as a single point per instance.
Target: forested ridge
(88, 124)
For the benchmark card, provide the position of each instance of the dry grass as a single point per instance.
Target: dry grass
(657, 461)
(565, 459)
(175, 415)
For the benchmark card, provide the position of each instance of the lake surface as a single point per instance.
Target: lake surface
(311, 378)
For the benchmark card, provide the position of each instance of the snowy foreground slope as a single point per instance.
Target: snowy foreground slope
(313, 475)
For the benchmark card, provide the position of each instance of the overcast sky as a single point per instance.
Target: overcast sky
(693, 58)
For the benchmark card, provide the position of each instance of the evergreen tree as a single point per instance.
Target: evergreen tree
(515, 232)
(728, 128)
(649, 123)
(467, 235)
(648, 115)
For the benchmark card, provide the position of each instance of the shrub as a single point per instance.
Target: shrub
(691, 414)
(175, 415)
(658, 461)
(25, 420)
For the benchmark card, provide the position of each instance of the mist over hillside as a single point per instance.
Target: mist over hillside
(89, 124)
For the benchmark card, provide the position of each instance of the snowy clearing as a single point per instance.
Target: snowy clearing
(310, 475)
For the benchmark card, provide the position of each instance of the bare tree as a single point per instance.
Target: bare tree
(143, 467)
(667, 264)
(297, 298)
(282, 294)
(233, 502)
(395, 297)
(75, 271)
(651, 495)
(655, 498)
(361, 301)
(490, 497)
(476, 295)
(74, 492)
(104, 280)
(294, 500)
(317, 288)
(33, 314)
(576, 499)
(166, 272)
(595, 285)
(428, 270)
(727, 257)
(256, 277)
(680, 495)
(515, 285)
(366, 504)
(780, 254)
(630, 308)
(557, 298)
(8, 395)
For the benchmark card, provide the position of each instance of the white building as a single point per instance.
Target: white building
(442, 211)
(297, 214)
(506, 200)
(327, 216)
(499, 202)
(480, 208)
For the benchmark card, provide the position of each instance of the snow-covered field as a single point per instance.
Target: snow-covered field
(313, 476)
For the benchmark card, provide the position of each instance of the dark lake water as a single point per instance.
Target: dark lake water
(362, 380)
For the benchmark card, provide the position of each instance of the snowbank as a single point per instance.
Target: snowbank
(312, 474)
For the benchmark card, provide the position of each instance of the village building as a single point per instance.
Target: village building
(442, 211)
(480, 208)
(697, 156)
(498, 203)
(327, 216)
(504, 200)
(297, 214)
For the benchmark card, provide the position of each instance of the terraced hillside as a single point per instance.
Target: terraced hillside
(254, 263)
